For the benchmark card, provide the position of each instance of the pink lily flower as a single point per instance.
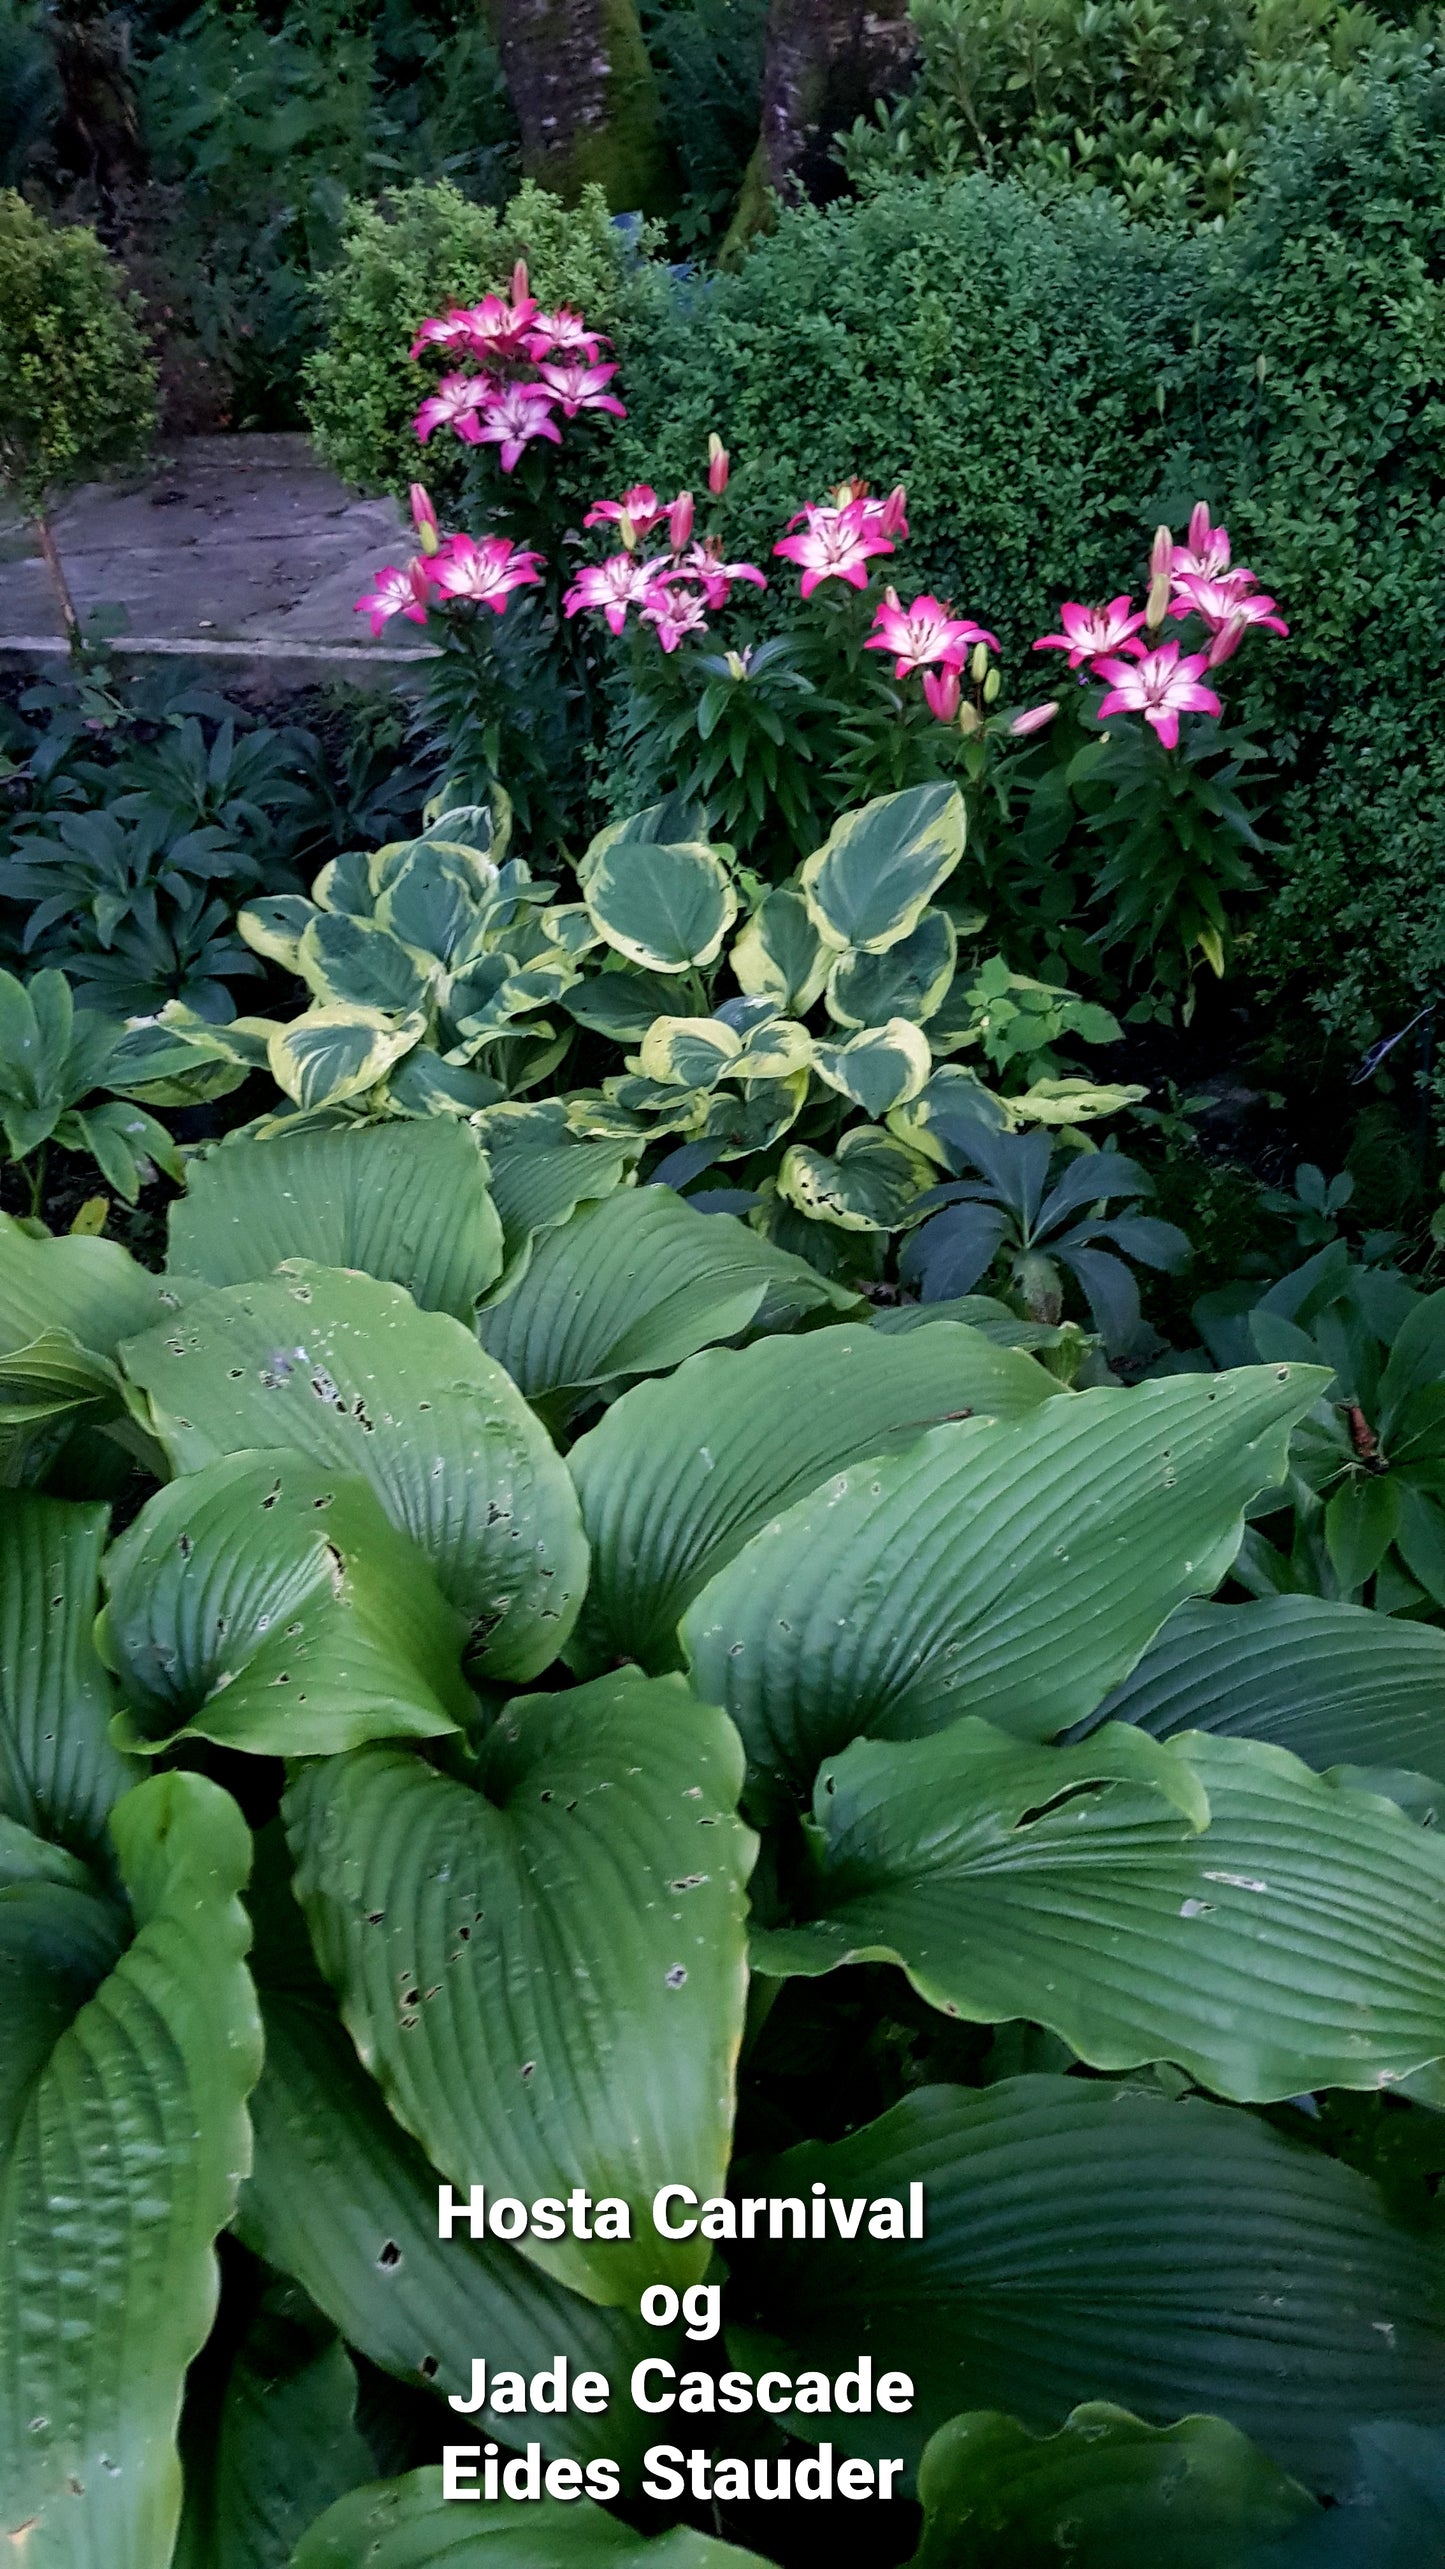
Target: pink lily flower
(925, 632)
(454, 404)
(563, 333)
(485, 573)
(497, 327)
(1222, 602)
(674, 612)
(942, 690)
(515, 415)
(1206, 553)
(1090, 630)
(718, 465)
(580, 387)
(634, 515)
(407, 592)
(704, 563)
(622, 581)
(1160, 686)
(1034, 718)
(836, 544)
(451, 329)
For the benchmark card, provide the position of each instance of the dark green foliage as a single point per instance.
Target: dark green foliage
(76, 384)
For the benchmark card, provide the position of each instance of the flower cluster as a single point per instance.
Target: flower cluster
(447, 570)
(841, 534)
(1158, 679)
(673, 588)
(518, 367)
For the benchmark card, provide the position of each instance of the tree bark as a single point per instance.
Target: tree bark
(827, 61)
(50, 551)
(586, 99)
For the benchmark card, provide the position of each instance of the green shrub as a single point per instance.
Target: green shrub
(417, 250)
(1006, 361)
(77, 388)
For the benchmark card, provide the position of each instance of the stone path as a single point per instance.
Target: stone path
(238, 550)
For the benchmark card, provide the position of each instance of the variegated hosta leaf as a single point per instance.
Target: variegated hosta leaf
(423, 1085)
(634, 1284)
(243, 1041)
(547, 1974)
(953, 1095)
(408, 2524)
(123, 2139)
(870, 883)
(431, 899)
(756, 1118)
(1086, 2240)
(275, 927)
(349, 1371)
(356, 963)
(1014, 1570)
(868, 1185)
(679, 1473)
(1105, 2492)
(910, 979)
(779, 955)
(656, 1104)
(670, 823)
(879, 1069)
(1071, 1101)
(1284, 1933)
(268, 1604)
(333, 1052)
(345, 883)
(687, 1052)
(60, 1772)
(664, 907)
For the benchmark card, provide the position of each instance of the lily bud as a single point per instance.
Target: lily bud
(424, 518)
(520, 286)
(1161, 553)
(942, 691)
(679, 520)
(737, 666)
(1037, 718)
(1156, 606)
(1226, 642)
(991, 686)
(627, 529)
(893, 520)
(978, 665)
(717, 466)
(970, 720)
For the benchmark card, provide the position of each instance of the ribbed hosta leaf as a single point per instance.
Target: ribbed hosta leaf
(282, 2447)
(59, 1773)
(680, 1473)
(349, 1371)
(547, 1974)
(1297, 1941)
(406, 1202)
(1013, 1570)
(407, 2524)
(269, 1604)
(119, 2162)
(1337, 1684)
(1086, 2241)
(540, 1172)
(1104, 2493)
(92, 1288)
(634, 1285)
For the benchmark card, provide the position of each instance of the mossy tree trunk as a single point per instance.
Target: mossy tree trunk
(827, 61)
(586, 100)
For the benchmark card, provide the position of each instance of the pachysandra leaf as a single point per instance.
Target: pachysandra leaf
(664, 907)
(868, 1185)
(59, 1772)
(1289, 1944)
(779, 954)
(547, 1974)
(334, 1052)
(910, 979)
(349, 1371)
(1337, 1684)
(870, 883)
(408, 2524)
(1089, 2241)
(135, 2113)
(679, 1473)
(1105, 2492)
(269, 1604)
(879, 1069)
(632, 1285)
(409, 1206)
(1014, 1570)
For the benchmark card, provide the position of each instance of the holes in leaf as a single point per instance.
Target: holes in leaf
(390, 2257)
(676, 1976)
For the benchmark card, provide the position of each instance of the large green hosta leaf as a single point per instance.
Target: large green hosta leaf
(540, 1172)
(1296, 1941)
(547, 1974)
(1337, 1684)
(1014, 1570)
(1104, 2493)
(268, 1604)
(406, 1202)
(680, 1473)
(59, 1773)
(407, 2524)
(1088, 2241)
(871, 882)
(122, 2141)
(350, 1372)
(633, 1285)
(283, 2447)
(92, 1288)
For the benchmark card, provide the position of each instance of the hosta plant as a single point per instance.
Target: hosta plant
(613, 1716)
